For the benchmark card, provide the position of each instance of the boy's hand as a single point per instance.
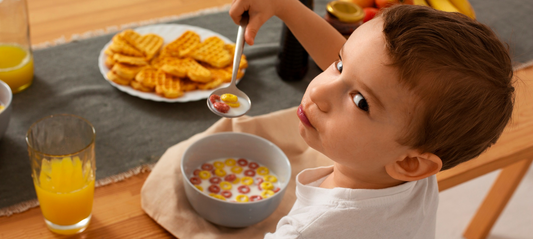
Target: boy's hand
(259, 11)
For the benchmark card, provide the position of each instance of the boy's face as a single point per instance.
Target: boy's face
(354, 111)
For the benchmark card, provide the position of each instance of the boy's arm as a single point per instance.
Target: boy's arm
(317, 36)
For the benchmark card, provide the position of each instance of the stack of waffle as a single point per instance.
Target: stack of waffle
(185, 64)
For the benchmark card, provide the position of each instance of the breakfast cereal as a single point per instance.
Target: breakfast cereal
(233, 180)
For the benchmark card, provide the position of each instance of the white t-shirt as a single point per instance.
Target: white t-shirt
(405, 211)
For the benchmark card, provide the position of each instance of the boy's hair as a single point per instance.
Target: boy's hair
(461, 75)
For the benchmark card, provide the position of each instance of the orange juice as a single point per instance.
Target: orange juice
(16, 67)
(65, 190)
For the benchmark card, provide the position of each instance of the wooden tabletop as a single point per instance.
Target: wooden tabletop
(117, 211)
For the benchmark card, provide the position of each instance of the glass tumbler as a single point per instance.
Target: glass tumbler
(16, 58)
(61, 151)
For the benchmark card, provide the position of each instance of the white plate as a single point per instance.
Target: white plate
(169, 32)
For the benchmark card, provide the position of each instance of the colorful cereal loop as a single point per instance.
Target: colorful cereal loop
(230, 178)
(249, 173)
(218, 164)
(233, 105)
(215, 180)
(253, 165)
(214, 188)
(195, 180)
(267, 193)
(229, 98)
(204, 174)
(255, 198)
(236, 169)
(243, 189)
(247, 181)
(271, 178)
(220, 172)
(226, 194)
(263, 171)
(267, 185)
(207, 166)
(217, 196)
(242, 198)
(199, 187)
(242, 162)
(225, 185)
(259, 180)
(230, 162)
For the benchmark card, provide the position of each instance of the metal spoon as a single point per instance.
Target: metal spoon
(244, 100)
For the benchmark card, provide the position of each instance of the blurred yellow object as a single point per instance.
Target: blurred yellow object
(443, 5)
(461, 6)
(421, 3)
(465, 7)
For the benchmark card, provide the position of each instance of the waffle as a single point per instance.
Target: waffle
(149, 76)
(149, 44)
(140, 87)
(188, 85)
(212, 51)
(157, 61)
(108, 51)
(117, 79)
(186, 67)
(218, 73)
(195, 71)
(109, 61)
(130, 60)
(119, 45)
(182, 45)
(209, 85)
(168, 87)
(130, 36)
(126, 71)
(174, 66)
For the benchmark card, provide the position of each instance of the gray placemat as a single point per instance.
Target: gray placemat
(132, 131)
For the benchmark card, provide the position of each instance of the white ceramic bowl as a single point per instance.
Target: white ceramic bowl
(6, 96)
(234, 145)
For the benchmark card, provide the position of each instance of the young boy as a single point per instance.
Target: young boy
(411, 92)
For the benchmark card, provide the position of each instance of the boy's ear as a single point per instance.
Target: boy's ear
(414, 166)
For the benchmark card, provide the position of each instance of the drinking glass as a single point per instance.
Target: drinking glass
(16, 58)
(61, 151)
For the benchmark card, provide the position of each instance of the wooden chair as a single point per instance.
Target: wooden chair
(513, 153)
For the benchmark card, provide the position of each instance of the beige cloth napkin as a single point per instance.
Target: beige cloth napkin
(163, 196)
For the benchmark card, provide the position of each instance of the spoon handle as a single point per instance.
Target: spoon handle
(239, 45)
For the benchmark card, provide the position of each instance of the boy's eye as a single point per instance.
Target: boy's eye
(338, 65)
(360, 101)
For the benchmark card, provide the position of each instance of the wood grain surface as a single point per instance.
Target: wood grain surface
(117, 211)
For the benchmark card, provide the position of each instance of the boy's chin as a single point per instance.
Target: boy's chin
(306, 136)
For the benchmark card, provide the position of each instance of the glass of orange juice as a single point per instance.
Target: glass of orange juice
(61, 151)
(16, 58)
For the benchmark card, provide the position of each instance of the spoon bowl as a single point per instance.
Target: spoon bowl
(243, 99)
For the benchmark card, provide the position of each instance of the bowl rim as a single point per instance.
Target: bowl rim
(283, 187)
(10, 99)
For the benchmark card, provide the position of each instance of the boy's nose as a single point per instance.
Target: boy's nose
(323, 94)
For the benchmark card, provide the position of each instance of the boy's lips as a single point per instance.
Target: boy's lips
(302, 117)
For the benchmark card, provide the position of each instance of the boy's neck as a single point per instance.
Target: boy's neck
(342, 178)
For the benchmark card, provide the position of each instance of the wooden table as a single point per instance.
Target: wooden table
(117, 211)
